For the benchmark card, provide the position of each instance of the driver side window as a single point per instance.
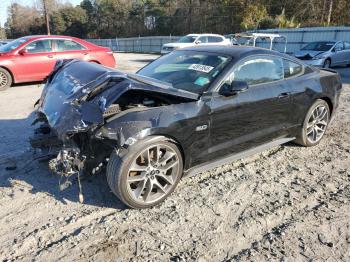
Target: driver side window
(203, 39)
(39, 46)
(258, 70)
(339, 47)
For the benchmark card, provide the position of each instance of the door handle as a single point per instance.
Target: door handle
(85, 53)
(50, 56)
(283, 95)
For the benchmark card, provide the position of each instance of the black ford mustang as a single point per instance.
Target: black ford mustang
(190, 110)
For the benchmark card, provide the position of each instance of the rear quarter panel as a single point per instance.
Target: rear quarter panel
(305, 89)
(311, 86)
(104, 57)
(331, 84)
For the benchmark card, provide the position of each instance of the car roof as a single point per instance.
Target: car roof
(325, 41)
(235, 51)
(205, 34)
(32, 37)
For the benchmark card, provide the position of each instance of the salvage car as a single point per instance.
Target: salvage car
(270, 41)
(325, 53)
(195, 39)
(188, 111)
(32, 58)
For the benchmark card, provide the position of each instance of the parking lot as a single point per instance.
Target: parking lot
(289, 203)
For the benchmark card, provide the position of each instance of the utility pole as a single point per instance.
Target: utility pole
(330, 12)
(46, 17)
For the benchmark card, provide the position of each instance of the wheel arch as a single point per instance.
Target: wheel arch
(329, 102)
(94, 61)
(179, 146)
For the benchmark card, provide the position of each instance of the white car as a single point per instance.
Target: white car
(195, 39)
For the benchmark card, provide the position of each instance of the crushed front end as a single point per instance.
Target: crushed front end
(87, 110)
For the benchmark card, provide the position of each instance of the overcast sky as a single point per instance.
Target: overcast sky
(4, 4)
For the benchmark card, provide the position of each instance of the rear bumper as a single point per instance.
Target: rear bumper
(110, 61)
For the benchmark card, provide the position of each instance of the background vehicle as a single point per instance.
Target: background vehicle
(325, 53)
(188, 111)
(195, 39)
(251, 39)
(32, 58)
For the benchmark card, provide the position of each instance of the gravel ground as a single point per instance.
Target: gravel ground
(288, 204)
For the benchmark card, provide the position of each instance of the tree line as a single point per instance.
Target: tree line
(126, 18)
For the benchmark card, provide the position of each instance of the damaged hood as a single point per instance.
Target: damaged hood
(77, 93)
(307, 54)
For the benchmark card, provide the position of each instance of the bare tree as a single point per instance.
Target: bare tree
(330, 12)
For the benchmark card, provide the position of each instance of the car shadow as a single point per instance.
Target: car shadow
(19, 167)
(28, 83)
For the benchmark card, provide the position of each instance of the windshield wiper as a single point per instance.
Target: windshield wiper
(150, 81)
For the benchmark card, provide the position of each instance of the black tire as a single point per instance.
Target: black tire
(303, 138)
(327, 63)
(118, 171)
(5, 79)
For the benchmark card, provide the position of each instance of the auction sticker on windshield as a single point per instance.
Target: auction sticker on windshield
(201, 68)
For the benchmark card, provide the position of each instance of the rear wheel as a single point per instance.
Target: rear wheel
(147, 174)
(5, 79)
(315, 124)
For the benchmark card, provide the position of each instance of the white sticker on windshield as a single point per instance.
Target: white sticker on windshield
(201, 68)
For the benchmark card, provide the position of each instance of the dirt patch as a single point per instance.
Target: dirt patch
(289, 204)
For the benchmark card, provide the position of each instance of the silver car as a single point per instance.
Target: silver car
(325, 53)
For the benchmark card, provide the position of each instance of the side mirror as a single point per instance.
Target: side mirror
(23, 51)
(233, 89)
(198, 42)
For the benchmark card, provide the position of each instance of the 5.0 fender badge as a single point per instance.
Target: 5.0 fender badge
(201, 128)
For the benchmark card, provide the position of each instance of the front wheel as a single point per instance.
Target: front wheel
(147, 173)
(315, 124)
(5, 79)
(327, 63)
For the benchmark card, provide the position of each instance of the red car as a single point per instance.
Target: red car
(32, 58)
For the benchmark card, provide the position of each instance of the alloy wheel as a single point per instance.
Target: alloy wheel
(317, 124)
(3, 79)
(153, 173)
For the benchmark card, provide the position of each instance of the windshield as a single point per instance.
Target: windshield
(318, 46)
(187, 39)
(188, 70)
(12, 45)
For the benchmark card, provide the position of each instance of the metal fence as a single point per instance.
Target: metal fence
(149, 44)
(296, 38)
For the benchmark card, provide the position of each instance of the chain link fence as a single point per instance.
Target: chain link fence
(149, 44)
